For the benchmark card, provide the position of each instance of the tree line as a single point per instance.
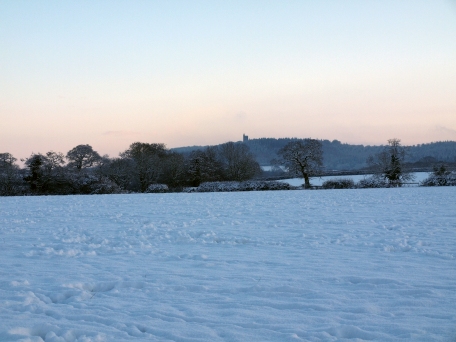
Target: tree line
(82, 170)
(146, 167)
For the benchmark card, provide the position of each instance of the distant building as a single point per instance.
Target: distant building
(245, 138)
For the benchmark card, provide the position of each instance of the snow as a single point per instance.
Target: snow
(335, 265)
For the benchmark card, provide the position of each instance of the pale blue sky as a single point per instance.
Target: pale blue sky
(108, 73)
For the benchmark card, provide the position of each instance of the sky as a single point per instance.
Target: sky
(109, 73)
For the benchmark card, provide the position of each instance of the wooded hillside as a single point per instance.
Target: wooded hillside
(340, 156)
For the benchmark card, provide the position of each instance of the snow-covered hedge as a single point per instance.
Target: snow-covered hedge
(85, 183)
(372, 182)
(157, 188)
(105, 186)
(263, 185)
(240, 186)
(448, 179)
(343, 183)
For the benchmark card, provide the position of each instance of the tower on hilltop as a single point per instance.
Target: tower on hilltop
(245, 138)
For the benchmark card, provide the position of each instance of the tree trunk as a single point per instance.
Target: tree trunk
(306, 180)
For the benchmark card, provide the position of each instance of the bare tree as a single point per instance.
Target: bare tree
(54, 160)
(147, 160)
(389, 164)
(238, 162)
(173, 170)
(303, 157)
(121, 172)
(82, 156)
(7, 159)
(204, 166)
(9, 175)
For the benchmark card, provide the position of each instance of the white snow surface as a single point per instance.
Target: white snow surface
(334, 265)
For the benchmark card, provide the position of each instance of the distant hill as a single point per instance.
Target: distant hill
(340, 156)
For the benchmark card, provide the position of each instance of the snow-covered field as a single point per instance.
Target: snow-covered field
(335, 265)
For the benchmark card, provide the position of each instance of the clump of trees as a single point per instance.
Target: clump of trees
(204, 166)
(143, 167)
(388, 166)
(440, 176)
(49, 173)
